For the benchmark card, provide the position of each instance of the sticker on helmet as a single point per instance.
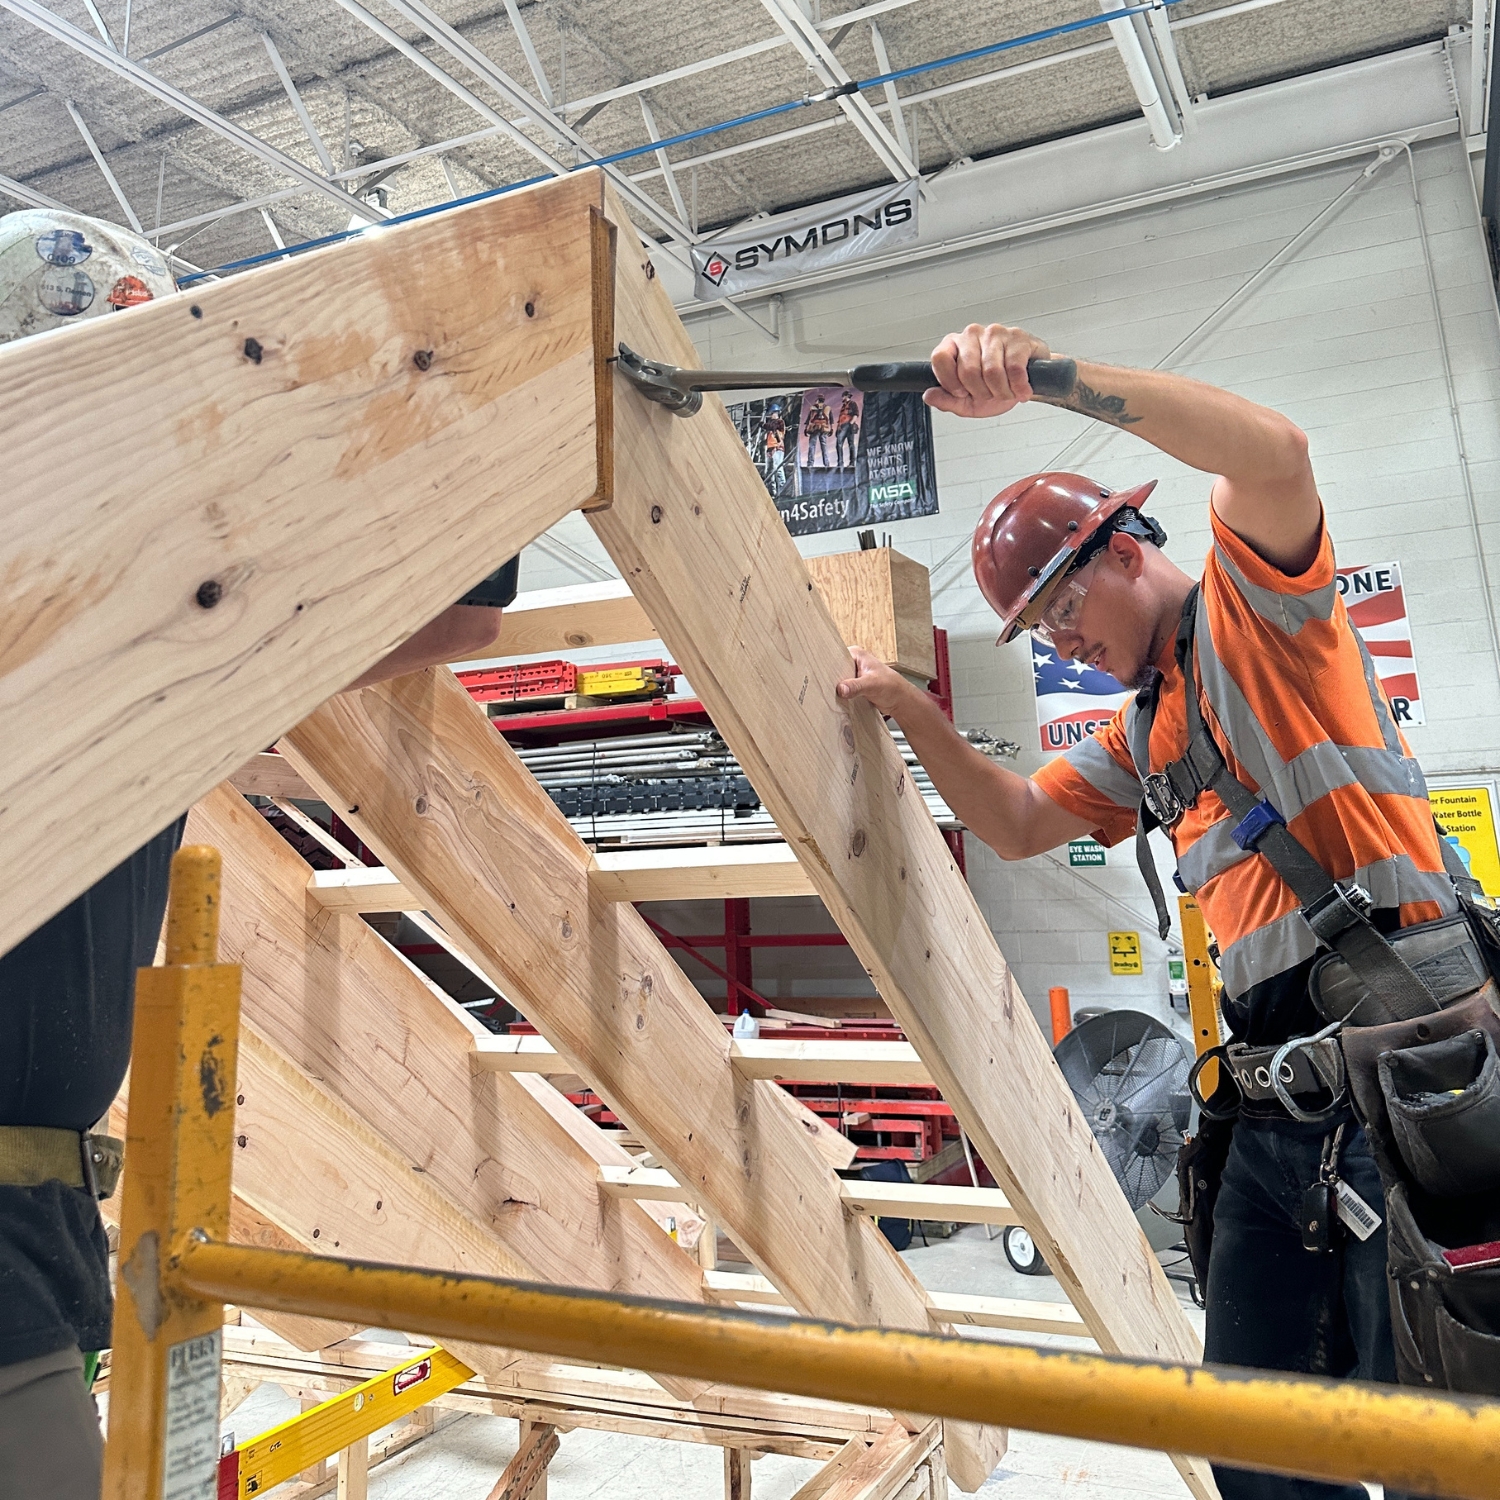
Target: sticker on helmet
(129, 291)
(144, 257)
(63, 247)
(66, 293)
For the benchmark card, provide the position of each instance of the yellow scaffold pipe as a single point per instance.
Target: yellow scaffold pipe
(1320, 1429)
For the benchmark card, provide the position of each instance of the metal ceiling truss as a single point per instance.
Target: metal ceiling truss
(544, 115)
(107, 57)
(804, 36)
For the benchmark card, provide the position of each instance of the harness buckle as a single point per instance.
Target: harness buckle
(1282, 1073)
(1347, 903)
(1162, 800)
(1248, 832)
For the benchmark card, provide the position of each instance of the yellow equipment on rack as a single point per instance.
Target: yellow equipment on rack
(177, 1270)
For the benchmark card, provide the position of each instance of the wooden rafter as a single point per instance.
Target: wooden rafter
(313, 477)
(722, 580)
(506, 1157)
(416, 769)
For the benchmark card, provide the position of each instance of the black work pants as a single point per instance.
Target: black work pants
(1276, 1306)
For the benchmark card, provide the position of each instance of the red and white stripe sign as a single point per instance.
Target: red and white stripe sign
(1377, 606)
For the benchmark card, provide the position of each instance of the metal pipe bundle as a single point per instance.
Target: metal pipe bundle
(623, 790)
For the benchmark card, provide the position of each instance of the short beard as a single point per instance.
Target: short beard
(1143, 677)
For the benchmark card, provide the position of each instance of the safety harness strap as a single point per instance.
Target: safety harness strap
(1337, 911)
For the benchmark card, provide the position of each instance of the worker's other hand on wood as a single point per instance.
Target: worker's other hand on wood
(878, 684)
(983, 370)
(462, 631)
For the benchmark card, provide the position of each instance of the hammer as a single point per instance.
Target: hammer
(680, 391)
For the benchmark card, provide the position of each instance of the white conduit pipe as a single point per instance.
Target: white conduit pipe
(1138, 69)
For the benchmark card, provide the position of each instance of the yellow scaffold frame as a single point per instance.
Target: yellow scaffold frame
(177, 1270)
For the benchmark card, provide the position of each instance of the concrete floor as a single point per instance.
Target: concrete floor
(463, 1461)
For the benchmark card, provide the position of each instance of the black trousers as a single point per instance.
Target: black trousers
(1276, 1306)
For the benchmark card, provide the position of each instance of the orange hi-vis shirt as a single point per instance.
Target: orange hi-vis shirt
(1291, 697)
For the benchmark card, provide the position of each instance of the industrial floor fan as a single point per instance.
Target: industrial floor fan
(1129, 1074)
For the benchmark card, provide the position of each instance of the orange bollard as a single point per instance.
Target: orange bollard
(1062, 1014)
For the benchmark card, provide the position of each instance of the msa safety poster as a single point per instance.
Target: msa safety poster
(1377, 607)
(834, 458)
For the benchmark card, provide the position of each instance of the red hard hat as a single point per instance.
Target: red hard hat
(1030, 534)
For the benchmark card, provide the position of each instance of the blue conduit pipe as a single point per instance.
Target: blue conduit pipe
(838, 91)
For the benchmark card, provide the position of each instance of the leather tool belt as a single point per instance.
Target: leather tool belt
(33, 1154)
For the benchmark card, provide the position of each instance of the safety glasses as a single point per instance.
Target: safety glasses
(1062, 611)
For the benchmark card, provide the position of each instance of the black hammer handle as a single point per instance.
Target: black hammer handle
(1048, 377)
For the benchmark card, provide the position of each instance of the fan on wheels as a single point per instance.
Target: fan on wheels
(1129, 1074)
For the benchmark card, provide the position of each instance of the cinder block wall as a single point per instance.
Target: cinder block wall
(1340, 335)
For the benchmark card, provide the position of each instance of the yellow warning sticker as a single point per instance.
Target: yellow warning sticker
(1467, 814)
(1125, 953)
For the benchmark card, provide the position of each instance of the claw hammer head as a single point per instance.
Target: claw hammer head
(664, 384)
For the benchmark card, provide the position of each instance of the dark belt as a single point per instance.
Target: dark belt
(1305, 1066)
(33, 1154)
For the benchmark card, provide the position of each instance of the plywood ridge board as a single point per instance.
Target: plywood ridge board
(298, 495)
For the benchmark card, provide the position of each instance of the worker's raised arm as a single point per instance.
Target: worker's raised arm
(1265, 492)
(1012, 814)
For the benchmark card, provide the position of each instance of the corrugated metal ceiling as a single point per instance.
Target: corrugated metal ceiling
(368, 102)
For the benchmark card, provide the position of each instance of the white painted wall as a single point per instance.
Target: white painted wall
(1341, 337)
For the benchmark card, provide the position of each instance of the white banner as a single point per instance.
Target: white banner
(1377, 608)
(809, 240)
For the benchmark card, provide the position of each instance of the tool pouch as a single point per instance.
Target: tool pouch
(1438, 1158)
(1446, 1322)
(1443, 1101)
(1200, 1169)
(1448, 955)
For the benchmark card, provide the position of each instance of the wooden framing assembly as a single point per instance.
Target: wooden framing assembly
(299, 494)
(312, 493)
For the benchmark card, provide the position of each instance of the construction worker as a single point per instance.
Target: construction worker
(773, 431)
(846, 433)
(818, 429)
(1286, 702)
(67, 991)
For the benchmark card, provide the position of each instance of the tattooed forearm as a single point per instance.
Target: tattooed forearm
(1096, 404)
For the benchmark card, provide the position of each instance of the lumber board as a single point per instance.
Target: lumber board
(714, 872)
(881, 600)
(418, 772)
(267, 774)
(792, 1061)
(891, 1200)
(296, 469)
(928, 1200)
(360, 888)
(702, 546)
(247, 1226)
(578, 1395)
(347, 1010)
(884, 1468)
(830, 1062)
(571, 618)
(1013, 1313)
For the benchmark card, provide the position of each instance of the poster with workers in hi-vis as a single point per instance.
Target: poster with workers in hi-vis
(1073, 700)
(832, 458)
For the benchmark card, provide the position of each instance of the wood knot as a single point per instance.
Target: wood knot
(420, 806)
(209, 593)
(857, 844)
(253, 351)
(422, 359)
